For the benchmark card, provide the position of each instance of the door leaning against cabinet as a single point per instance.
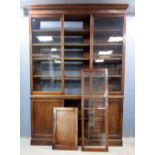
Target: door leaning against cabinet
(65, 125)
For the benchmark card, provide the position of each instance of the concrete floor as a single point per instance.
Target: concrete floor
(27, 149)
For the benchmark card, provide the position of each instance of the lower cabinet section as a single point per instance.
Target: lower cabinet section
(42, 120)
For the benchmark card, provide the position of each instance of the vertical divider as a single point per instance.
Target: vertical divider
(123, 54)
(62, 53)
(82, 109)
(91, 40)
(30, 53)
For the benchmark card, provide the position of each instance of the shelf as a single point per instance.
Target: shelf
(47, 31)
(105, 58)
(76, 45)
(47, 44)
(46, 58)
(114, 76)
(108, 44)
(45, 55)
(79, 76)
(45, 76)
(76, 58)
(72, 76)
(107, 30)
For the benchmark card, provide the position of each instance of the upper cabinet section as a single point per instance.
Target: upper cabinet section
(46, 54)
(67, 38)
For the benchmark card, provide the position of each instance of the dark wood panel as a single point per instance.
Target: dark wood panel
(65, 128)
(41, 118)
(78, 7)
(115, 118)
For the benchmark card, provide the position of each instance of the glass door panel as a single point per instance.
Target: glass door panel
(46, 54)
(94, 109)
(108, 47)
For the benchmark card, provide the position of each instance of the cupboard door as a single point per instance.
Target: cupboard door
(46, 55)
(115, 121)
(42, 118)
(65, 128)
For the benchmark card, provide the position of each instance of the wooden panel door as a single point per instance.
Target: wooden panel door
(65, 128)
(41, 120)
(115, 121)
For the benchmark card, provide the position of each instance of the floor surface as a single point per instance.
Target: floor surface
(27, 149)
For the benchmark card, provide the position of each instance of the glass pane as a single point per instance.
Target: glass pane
(95, 91)
(108, 47)
(46, 54)
(94, 103)
(47, 75)
(94, 128)
(94, 83)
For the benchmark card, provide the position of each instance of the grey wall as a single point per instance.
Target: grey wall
(129, 102)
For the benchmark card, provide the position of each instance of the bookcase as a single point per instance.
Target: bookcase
(64, 39)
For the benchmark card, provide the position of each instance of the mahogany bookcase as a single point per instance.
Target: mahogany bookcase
(64, 39)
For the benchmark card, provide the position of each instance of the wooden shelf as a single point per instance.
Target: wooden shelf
(109, 44)
(76, 45)
(79, 76)
(114, 76)
(105, 58)
(46, 58)
(107, 30)
(76, 58)
(47, 44)
(72, 76)
(47, 31)
(46, 76)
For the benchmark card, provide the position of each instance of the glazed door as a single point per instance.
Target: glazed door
(94, 110)
(108, 43)
(46, 52)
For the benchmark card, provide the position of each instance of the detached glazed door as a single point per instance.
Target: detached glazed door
(94, 110)
(46, 59)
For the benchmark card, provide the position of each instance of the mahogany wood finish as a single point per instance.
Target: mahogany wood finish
(42, 103)
(41, 120)
(65, 122)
